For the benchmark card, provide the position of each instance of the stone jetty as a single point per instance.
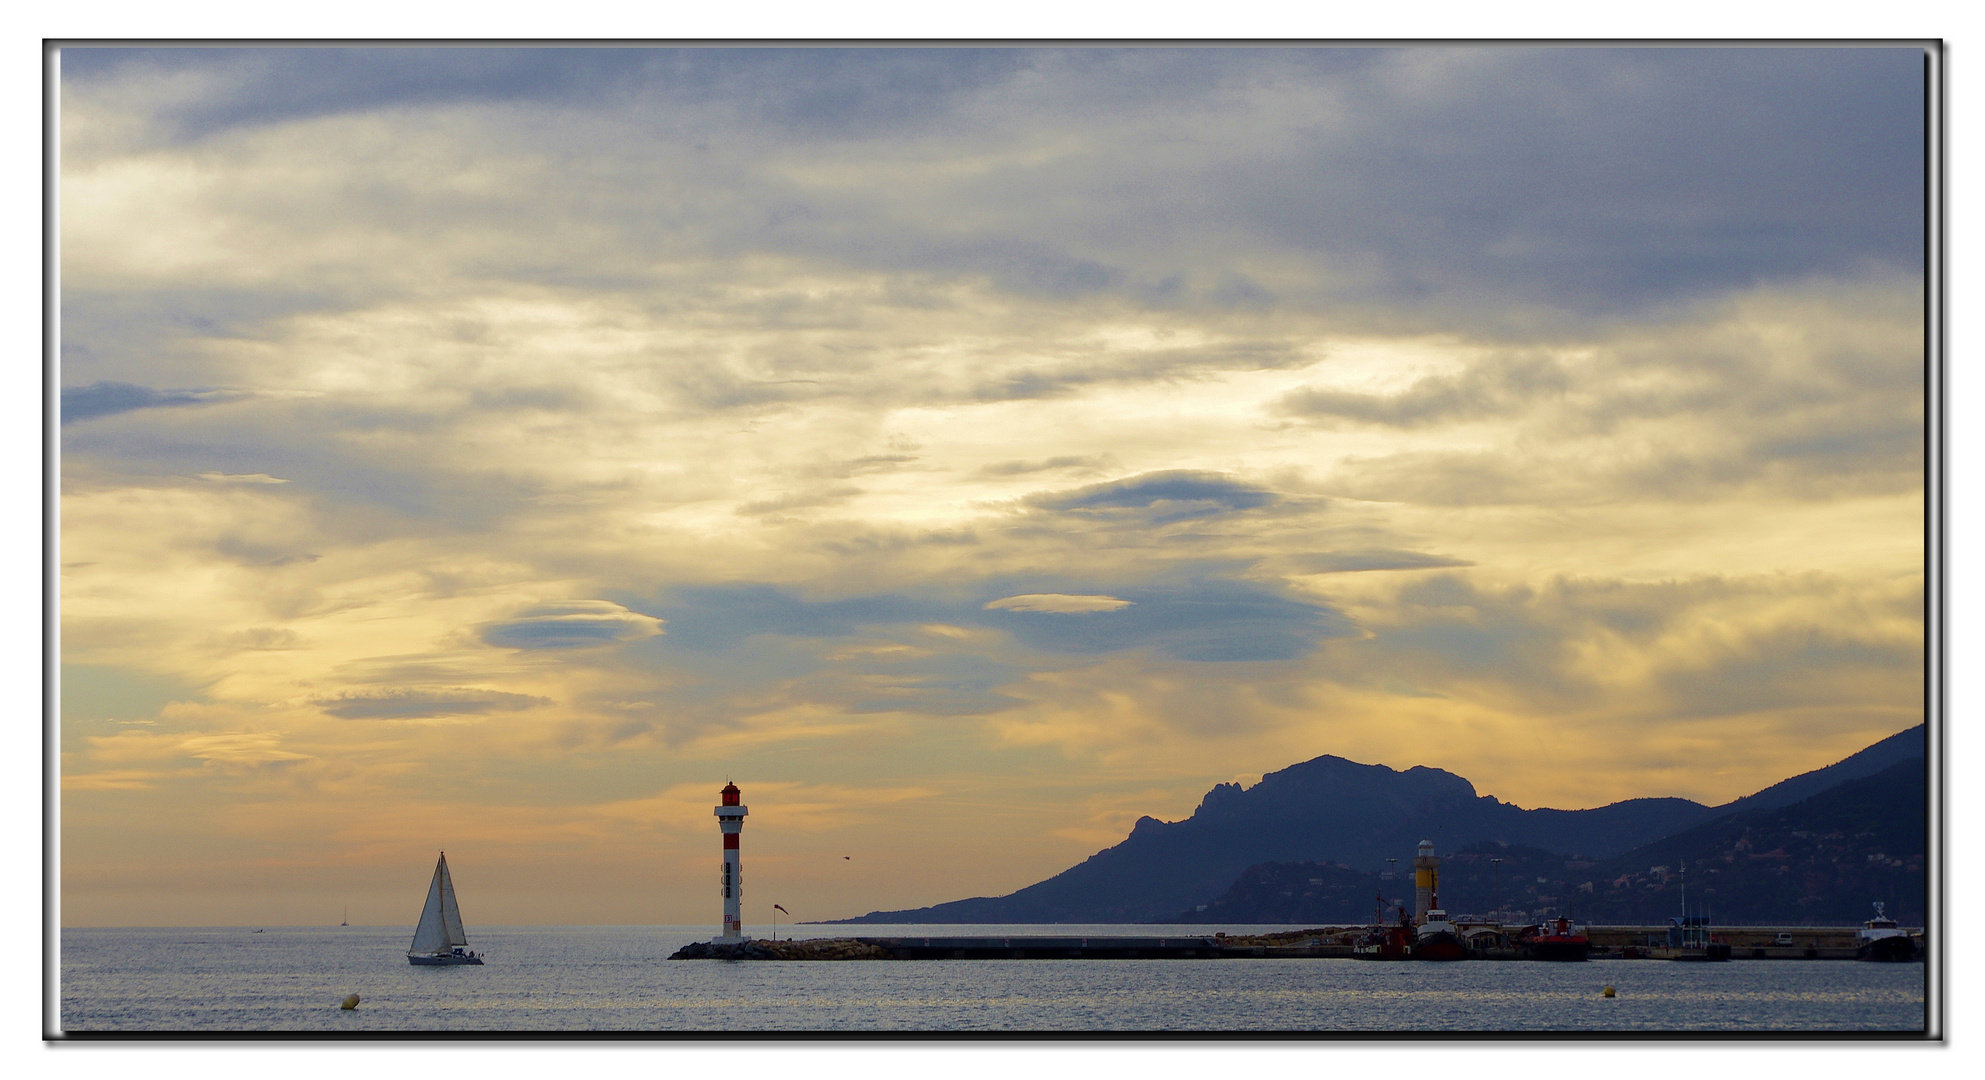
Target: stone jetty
(811, 949)
(1303, 943)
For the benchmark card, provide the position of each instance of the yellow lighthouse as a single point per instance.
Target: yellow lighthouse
(1426, 880)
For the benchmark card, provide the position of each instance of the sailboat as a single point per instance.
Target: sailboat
(346, 920)
(439, 938)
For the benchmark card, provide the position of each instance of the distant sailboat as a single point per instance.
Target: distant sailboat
(439, 938)
(346, 920)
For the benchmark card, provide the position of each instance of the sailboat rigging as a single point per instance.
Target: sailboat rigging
(439, 938)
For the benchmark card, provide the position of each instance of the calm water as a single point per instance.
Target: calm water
(618, 978)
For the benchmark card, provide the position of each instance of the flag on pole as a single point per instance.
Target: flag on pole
(781, 909)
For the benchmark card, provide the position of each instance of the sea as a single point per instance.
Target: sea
(575, 980)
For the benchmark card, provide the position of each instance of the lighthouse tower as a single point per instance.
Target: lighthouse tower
(1426, 880)
(730, 818)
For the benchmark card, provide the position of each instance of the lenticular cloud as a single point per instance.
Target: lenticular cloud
(1058, 603)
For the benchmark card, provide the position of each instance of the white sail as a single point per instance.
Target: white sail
(440, 920)
(451, 914)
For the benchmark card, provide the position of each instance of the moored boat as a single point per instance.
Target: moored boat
(1386, 942)
(1438, 939)
(1882, 940)
(1561, 940)
(439, 940)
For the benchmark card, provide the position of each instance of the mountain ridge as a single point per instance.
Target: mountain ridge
(1905, 744)
(1824, 860)
(1334, 810)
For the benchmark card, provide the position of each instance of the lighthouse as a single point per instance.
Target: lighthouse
(730, 818)
(1426, 880)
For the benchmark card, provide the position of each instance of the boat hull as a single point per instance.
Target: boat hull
(1890, 950)
(1439, 947)
(1557, 950)
(443, 961)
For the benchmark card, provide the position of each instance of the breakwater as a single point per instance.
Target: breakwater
(1022, 947)
(1608, 942)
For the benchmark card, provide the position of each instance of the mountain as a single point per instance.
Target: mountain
(1327, 809)
(1333, 811)
(1899, 747)
(1823, 860)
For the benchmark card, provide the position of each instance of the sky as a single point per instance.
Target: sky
(967, 451)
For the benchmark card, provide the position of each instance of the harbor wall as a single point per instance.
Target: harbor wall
(1609, 942)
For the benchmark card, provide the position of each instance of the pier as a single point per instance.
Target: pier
(1047, 948)
(1018, 947)
(1608, 943)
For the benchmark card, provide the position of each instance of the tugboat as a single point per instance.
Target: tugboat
(1563, 940)
(1438, 940)
(1882, 940)
(1387, 942)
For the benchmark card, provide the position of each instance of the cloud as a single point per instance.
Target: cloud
(1136, 366)
(255, 551)
(104, 398)
(223, 749)
(412, 704)
(1203, 619)
(1541, 414)
(1703, 646)
(575, 624)
(1346, 562)
(714, 618)
(800, 500)
(261, 639)
(1066, 461)
(112, 780)
(1811, 392)
(241, 478)
(237, 748)
(1455, 478)
(1057, 603)
(1489, 388)
(1375, 189)
(1185, 611)
(805, 93)
(1158, 498)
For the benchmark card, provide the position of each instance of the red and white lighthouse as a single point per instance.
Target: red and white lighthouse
(730, 818)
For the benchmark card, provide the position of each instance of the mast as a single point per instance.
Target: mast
(1685, 901)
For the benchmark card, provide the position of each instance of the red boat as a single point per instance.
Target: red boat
(1562, 940)
(1387, 942)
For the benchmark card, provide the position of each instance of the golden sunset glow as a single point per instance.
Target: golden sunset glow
(966, 451)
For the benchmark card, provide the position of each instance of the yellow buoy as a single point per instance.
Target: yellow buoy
(1608, 992)
(351, 1000)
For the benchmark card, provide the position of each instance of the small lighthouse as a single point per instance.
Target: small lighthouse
(730, 818)
(1426, 880)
